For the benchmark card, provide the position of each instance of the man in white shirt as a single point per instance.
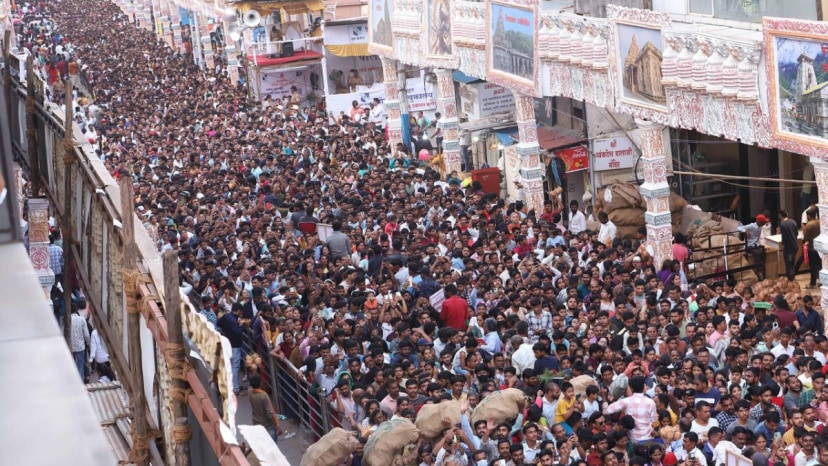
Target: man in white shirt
(753, 231)
(378, 114)
(784, 346)
(98, 355)
(577, 219)
(690, 450)
(608, 230)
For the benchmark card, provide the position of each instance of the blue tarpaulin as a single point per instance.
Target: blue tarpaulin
(505, 135)
(461, 77)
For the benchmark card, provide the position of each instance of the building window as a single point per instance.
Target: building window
(753, 10)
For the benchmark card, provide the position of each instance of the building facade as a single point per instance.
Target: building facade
(691, 88)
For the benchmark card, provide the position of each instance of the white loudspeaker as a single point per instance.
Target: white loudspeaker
(252, 18)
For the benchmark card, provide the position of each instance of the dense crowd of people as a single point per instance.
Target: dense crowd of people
(418, 290)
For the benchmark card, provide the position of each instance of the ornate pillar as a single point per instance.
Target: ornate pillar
(821, 242)
(449, 123)
(531, 169)
(206, 46)
(392, 102)
(39, 241)
(175, 25)
(656, 191)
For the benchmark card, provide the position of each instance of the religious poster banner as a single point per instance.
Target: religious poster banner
(277, 83)
(380, 37)
(635, 58)
(797, 67)
(512, 56)
(437, 25)
(612, 154)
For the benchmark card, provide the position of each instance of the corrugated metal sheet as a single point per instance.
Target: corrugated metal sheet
(553, 138)
(111, 406)
(110, 401)
(117, 443)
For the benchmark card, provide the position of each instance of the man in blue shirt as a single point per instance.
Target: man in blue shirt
(543, 361)
(231, 325)
(770, 426)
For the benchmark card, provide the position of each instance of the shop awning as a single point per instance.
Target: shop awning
(461, 77)
(349, 50)
(554, 138)
(291, 8)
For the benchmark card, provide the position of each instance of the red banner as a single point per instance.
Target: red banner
(576, 158)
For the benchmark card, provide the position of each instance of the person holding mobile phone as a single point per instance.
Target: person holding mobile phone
(691, 456)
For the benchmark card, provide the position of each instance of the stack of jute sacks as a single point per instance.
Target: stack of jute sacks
(625, 207)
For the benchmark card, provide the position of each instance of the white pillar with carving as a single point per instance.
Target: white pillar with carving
(656, 191)
(392, 102)
(821, 242)
(531, 168)
(449, 123)
(175, 25)
(38, 220)
(206, 45)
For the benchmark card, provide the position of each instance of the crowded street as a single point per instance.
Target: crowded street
(350, 273)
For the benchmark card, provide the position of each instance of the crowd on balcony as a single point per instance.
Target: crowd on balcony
(392, 287)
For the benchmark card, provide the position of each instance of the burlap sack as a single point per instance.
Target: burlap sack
(499, 406)
(628, 217)
(430, 418)
(677, 203)
(331, 450)
(626, 232)
(388, 441)
(581, 383)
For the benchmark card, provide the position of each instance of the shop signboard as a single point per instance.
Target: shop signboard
(357, 34)
(421, 96)
(612, 154)
(576, 158)
(337, 103)
(277, 82)
(494, 99)
(481, 100)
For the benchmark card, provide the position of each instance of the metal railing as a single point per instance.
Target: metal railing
(296, 399)
(721, 258)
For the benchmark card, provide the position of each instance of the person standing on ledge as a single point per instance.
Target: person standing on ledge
(262, 409)
(790, 245)
(809, 234)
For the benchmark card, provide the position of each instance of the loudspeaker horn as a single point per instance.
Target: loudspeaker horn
(252, 18)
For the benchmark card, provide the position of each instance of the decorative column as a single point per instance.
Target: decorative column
(195, 38)
(392, 102)
(821, 241)
(449, 123)
(206, 46)
(656, 191)
(39, 242)
(175, 25)
(531, 169)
